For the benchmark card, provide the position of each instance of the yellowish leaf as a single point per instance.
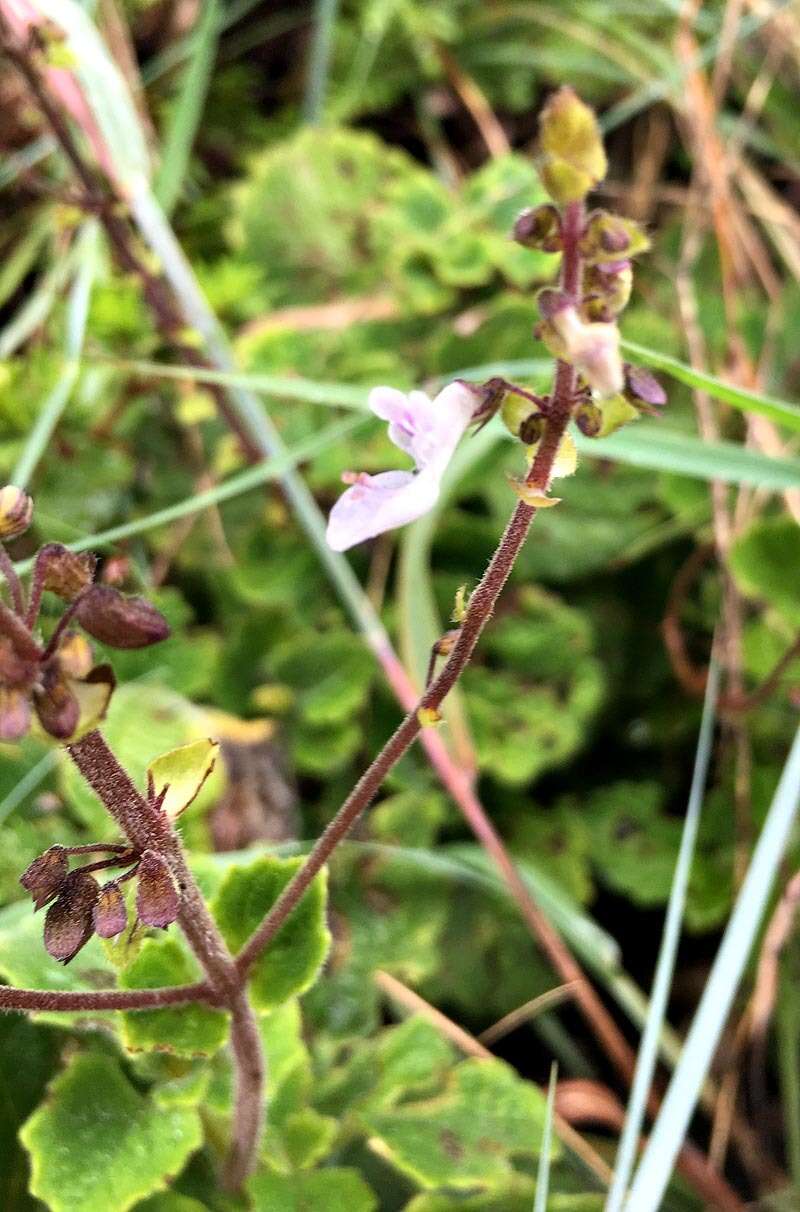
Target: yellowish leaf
(182, 772)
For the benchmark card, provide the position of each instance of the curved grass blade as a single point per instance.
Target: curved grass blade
(669, 1130)
(253, 477)
(648, 1048)
(543, 1170)
(87, 250)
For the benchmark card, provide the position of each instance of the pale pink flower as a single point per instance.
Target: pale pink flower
(429, 431)
(593, 349)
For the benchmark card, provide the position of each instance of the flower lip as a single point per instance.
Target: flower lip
(427, 430)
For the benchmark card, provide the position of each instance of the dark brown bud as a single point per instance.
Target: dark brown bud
(531, 429)
(641, 385)
(56, 706)
(16, 511)
(69, 923)
(589, 419)
(539, 227)
(119, 621)
(157, 900)
(65, 572)
(110, 913)
(45, 877)
(15, 714)
(551, 302)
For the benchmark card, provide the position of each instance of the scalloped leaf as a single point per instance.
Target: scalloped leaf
(294, 957)
(334, 1189)
(467, 1136)
(96, 1143)
(193, 1030)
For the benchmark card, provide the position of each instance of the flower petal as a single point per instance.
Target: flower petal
(378, 503)
(428, 430)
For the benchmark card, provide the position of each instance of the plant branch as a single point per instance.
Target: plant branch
(106, 999)
(148, 828)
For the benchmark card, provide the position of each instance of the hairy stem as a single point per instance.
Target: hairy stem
(8, 570)
(106, 999)
(148, 829)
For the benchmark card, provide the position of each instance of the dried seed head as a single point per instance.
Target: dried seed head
(588, 418)
(119, 621)
(16, 511)
(69, 923)
(110, 913)
(157, 900)
(45, 877)
(65, 572)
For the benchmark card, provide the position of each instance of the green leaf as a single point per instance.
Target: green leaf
(171, 1201)
(181, 773)
(293, 959)
(192, 1030)
(335, 1190)
(467, 1136)
(97, 1144)
(24, 962)
(765, 562)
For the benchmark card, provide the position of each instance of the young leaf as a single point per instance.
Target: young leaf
(294, 957)
(334, 1189)
(181, 773)
(96, 1143)
(192, 1030)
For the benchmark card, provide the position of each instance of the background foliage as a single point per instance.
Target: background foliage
(347, 216)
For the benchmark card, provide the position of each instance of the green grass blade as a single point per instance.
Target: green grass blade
(87, 250)
(543, 1169)
(177, 144)
(253, 477)
(648, 1048)
(748, 401)
(673, 1119)
(650, 445)
(320, 59)
(39, 303)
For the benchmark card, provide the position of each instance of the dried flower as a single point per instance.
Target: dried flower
(429, 431)
(44, 878)
(120, 621)
(69, 923)
(157, 899)
(63, 571)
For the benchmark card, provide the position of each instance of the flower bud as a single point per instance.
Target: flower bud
(110, 914)
(56, 705)
(65, 572)
(588, 418)
(572, 159)
(531, 429)
(119, 621)
(607, 289)
(157, 900)
(15, 714)
(609, 238)
(640, 385)
(69, 923)
(45, 877)
(16, 511)
(539, 227)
